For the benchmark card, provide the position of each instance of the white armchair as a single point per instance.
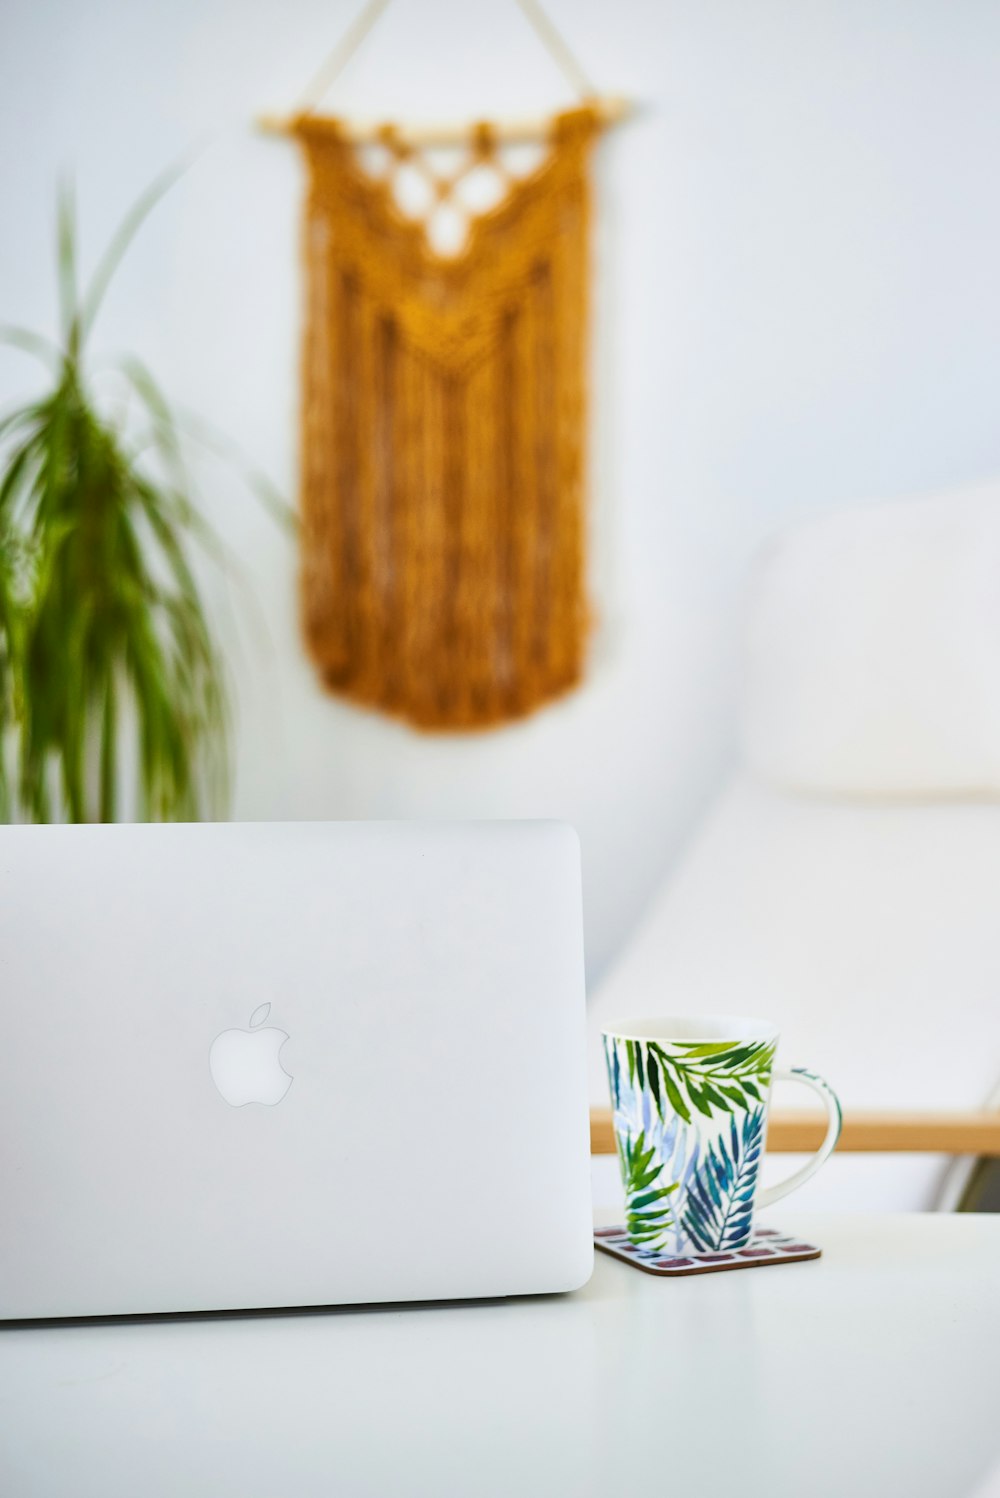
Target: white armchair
(847, 882)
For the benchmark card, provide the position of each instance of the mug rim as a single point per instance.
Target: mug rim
(694, 1029)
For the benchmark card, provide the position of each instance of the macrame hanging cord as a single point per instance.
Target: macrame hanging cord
(443, 423)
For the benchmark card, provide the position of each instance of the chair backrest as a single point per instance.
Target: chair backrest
(873, 651)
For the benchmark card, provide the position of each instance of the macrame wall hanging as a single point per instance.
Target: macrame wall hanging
(443, 439)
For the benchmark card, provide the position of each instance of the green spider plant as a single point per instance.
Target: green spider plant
(9, 650)
(105, 647)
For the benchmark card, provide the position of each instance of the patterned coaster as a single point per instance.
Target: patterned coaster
(766, 1246)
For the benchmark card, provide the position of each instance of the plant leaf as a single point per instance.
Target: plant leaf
(120, 241)
(32, 343)
(66, 262)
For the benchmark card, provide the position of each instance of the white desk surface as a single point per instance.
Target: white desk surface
(875, 1371)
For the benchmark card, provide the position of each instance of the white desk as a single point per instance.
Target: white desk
(875, 1371)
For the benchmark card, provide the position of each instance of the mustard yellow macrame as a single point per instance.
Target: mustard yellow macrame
(443, 425)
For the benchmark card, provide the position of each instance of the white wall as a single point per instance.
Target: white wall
(799, 263)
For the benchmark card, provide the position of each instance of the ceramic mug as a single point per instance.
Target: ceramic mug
(690, 1099)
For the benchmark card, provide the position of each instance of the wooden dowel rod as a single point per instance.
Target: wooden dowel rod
(610, 111)
(889, 1133)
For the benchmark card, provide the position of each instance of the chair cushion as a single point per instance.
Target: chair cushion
(873, 648)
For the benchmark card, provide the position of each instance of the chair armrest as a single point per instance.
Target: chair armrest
(976, 1133)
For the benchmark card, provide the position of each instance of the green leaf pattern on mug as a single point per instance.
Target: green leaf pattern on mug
(689, 1125)
(648, 1213)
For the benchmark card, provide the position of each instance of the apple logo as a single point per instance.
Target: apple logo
(245, 1064)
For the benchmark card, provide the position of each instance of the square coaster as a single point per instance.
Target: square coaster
(766, 1246)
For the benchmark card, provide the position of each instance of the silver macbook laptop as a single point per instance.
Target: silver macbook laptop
(274, 1065)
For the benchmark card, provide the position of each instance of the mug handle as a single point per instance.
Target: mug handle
(831, 1102)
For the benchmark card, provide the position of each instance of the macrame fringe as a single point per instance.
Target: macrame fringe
(443, 425)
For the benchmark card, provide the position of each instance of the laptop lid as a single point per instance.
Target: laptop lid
(257, 1065)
